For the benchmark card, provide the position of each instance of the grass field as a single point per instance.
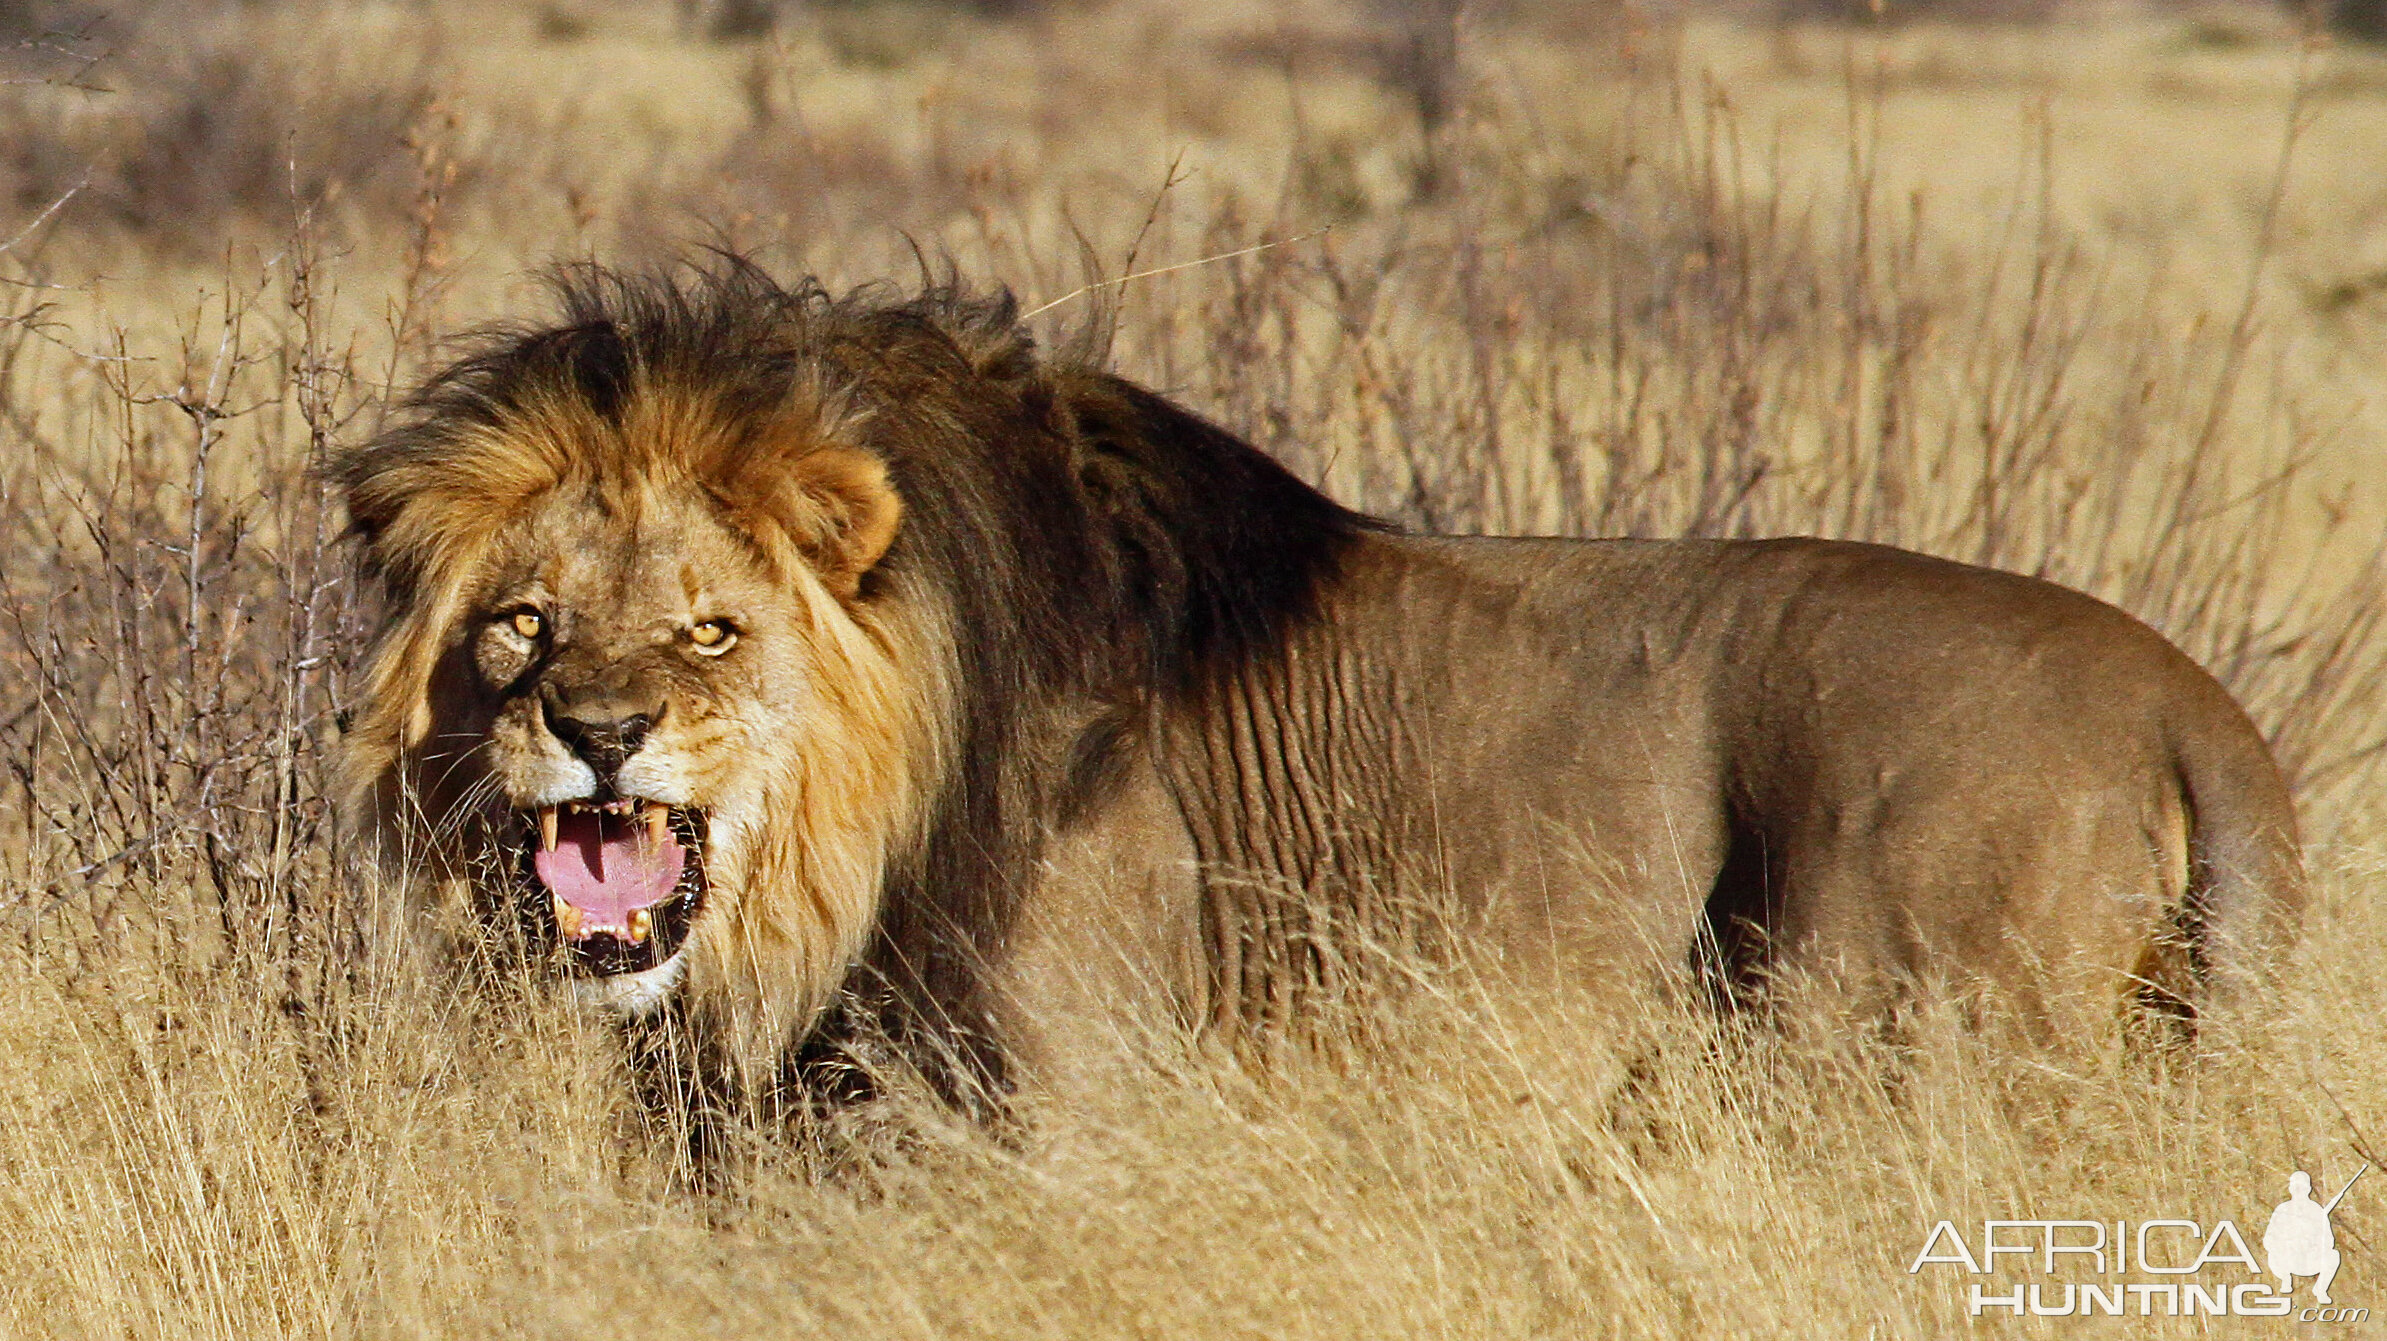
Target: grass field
(2102, 298)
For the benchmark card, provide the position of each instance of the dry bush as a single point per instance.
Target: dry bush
(1879, 13)
(199, 121)
(2359, 20)
(229, 1113)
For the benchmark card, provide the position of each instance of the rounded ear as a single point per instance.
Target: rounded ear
(845, 515)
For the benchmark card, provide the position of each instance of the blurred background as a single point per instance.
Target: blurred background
(2091, 290)
(1495, 192)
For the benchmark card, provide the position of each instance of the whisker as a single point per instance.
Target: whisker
(456, 761)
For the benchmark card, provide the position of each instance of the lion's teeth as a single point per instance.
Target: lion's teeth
(547, 828)
(567, 919)
(641, 922)
(658, 823)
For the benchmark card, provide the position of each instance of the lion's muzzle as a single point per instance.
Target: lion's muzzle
(621, 874)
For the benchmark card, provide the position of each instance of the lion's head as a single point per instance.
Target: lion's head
(641, 678)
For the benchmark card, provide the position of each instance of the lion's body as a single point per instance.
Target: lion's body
(1837, 761)
(988, 693)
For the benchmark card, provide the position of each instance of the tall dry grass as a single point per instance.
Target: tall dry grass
(1570, 285)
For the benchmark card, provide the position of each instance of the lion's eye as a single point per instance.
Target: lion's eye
(529, 624)
(713, 636)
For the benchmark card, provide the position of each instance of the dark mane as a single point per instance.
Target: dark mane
(1106, 553)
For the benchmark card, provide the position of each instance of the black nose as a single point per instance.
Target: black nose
(605, 741)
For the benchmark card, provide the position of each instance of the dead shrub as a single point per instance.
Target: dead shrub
(216, 124)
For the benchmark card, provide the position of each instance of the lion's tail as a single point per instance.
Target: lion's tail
(2246, 885)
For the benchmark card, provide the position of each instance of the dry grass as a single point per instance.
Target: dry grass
(2053, 298)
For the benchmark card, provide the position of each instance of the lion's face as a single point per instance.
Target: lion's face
(642, 704)
(631, 682)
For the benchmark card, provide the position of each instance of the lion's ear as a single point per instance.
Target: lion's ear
(845, 515)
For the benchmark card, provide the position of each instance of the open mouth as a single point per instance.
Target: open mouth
(616, 882)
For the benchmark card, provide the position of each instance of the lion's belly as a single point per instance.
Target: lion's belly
(1108, 955)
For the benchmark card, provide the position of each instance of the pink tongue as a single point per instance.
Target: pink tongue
(608, 868)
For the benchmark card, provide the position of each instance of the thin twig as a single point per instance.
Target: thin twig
(1169, 181)
(1083, 290)
(47, 896)
(44, 217)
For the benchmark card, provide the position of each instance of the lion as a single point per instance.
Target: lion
(786, 665)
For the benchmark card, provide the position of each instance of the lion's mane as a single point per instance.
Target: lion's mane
(1073, 553)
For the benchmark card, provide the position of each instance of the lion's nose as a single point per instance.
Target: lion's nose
(595, 732)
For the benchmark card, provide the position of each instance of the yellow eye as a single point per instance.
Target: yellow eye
(712, 637)
(529, 624)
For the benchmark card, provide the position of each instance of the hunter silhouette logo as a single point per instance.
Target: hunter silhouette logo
(2150, 1268)
(2299, 1242)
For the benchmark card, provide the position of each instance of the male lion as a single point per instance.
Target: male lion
(786, 665)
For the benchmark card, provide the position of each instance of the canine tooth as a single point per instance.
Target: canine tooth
(547, 828)
(658, 823)
(567, 918)
(641, 922)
